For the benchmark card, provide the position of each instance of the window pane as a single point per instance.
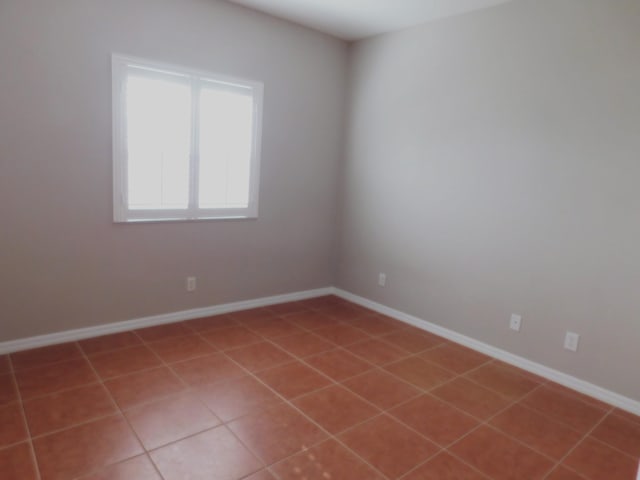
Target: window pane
(158, 142)
(226, 132)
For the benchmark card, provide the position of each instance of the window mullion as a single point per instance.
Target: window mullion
(194, 161)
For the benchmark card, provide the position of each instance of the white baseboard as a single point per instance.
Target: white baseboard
(105, 329)
(557, 376)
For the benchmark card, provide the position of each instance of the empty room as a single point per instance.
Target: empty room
(320, 240)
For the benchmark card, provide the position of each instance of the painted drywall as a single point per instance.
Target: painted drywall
(63, 262)
(492, 168)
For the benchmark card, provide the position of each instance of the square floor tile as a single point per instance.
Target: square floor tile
(377, 352)
(596, 460)
(276, 432)
(287, 308)
(413, 340)
(137, 468)
(16, 463)
(419, 372)
(8, 391)
(261, 475)
(259, 356)
(293, 379)
(39, 357)
(54, 377)
(170, 419)
(329, 460)
(141, 387)
(85, 448)
(471, 397)
(209, 369)
(562, 473)
(341, 334)
(212, 322)
(68, 408)
(124, 361)
(235, 398)
(500, 457)
(389, 446)
(312, 320)
(231, 337)
(537, 431)
(13, 429)
(435, 419)
(106, 343)
(335, 408)
(303, 344)
(620, 433)
(160, 332)
(276, 327)
(252, 314)
(178, 349)
(506, 382)
(338, 364)
(212, 455)
(375, 324)
(5, 367)
(445, 467)
(381, 388)
(455, 357)
(563, 408)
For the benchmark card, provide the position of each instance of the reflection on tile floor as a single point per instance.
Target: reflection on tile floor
(319, 389)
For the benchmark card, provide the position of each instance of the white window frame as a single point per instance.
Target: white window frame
(121, 212)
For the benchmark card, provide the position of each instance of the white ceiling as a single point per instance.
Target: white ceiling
(356, 19)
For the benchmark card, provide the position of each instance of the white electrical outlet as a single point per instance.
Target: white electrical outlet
(191, 284)
(516, 322)
(571, 341)
(382, 279)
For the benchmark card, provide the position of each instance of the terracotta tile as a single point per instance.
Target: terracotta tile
(562, 473)
(303, 344)
(375, 324)
(71, 407)
(419, 372)
(16, 463)
(471, 397)
(141, 387)
(211, 323)
(435, 419)
(8, 391)
(503, 381)
(312, 320)
(5, 367)
(276, 432)
(346, 312)
(261, 475)
(212, 455)
(232, 337)
(329, 460)
(124, 361)
(138, 468)
(500, 457)
(377, 352)
(570, 411)
(381, 388)
(39, 357)
(277, 327)
(596, 460)
(322, 301)
(413, 340)
(160, 332)
(170, 419)
(335, 408)
(620, 433)
(293, 379)
(455, 357)
(444, 467)
(341, 334)
(594, 402)
(86, 448)
(626, 415)
(181, 348)
(521, 371)
(259, 356)
(209, 369)
(537, 431)
(237, 397)
(287, 308)
(13, 428)
(389, 446)
(54, 377)
(338, 364)
(106, 343)
(252, 314)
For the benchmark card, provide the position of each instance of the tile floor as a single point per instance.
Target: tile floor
(318, 389)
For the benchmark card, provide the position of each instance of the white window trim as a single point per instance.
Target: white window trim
(121, 212)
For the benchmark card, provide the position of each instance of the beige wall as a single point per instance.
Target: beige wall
(63, 263)
(493, 166)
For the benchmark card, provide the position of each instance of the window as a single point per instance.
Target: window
(186, 144)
